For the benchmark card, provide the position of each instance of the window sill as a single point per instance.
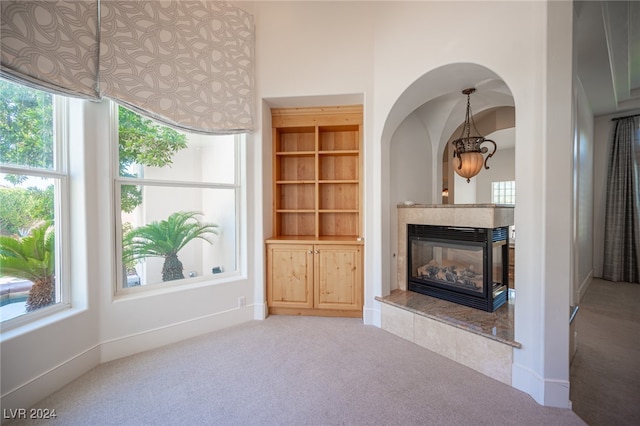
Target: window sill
(169, 288)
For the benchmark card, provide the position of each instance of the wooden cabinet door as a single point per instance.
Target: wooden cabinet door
(290, 275)
(338, 277)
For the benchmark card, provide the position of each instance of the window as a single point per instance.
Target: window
(178, 201)
(33, 188)
(503, 192)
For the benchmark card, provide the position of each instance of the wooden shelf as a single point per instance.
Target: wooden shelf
(341, 152)
(295, 182)
(294, 239)
(296, 153)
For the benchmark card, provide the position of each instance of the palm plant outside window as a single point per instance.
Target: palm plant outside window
(177, 196)
(165, 239)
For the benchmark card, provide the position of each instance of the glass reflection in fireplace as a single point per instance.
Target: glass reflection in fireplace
(448, 264)
(454, 265)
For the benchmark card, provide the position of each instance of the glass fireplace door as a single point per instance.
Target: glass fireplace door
(457, 264)
(448, 264)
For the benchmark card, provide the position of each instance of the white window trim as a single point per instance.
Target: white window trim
(62, 211)
(126, 293)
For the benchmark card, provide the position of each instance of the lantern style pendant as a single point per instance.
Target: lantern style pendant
(467, 156)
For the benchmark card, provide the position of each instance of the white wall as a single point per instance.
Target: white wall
(583, 183)
(411, 161)
(555, 174)
(501, 165)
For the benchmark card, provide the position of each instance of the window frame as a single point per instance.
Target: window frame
(62, 203)
(508, 185)
(239, 187)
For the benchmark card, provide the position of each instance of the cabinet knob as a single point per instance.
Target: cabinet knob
(310, 251)
(316, 252)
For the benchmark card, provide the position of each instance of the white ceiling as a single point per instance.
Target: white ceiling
(607, 43)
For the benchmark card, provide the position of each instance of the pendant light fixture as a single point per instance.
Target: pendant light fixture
(467, 157)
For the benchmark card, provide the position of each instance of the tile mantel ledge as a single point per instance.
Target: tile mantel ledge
(469, 215)
(411, 204)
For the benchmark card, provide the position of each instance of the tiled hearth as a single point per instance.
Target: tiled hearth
(478, 339)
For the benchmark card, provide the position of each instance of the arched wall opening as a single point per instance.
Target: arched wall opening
(424, 118)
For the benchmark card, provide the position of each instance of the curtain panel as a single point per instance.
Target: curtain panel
(622, 211)
(187, 64)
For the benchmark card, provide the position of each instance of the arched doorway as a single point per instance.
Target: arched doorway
(415, 136)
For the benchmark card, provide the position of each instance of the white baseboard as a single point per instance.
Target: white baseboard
(547, 392)
(260, 311)
(372, 316)
(584, 285)
(28, 394)
(152, 339)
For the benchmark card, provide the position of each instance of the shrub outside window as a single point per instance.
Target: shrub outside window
(33, 188)
(177, 198)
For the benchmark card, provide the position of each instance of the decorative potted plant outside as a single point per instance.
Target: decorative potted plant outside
(165, 239)
(32, 258)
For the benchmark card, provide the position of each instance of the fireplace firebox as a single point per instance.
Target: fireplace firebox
(468, 266)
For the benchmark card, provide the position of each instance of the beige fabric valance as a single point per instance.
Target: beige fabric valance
(188, 64)
(51, 45)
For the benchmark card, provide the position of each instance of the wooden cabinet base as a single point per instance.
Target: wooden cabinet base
(315, 312)
(314, 279)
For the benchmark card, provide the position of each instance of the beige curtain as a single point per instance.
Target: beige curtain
(188, 64)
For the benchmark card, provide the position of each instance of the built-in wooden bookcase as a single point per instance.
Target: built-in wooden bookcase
(317, 189)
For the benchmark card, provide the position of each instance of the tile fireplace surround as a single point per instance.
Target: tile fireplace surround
(480, 340)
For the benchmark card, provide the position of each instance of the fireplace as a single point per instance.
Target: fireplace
(465, 265)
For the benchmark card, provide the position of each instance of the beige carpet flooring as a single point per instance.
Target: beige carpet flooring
(294, 371)
(605, 373)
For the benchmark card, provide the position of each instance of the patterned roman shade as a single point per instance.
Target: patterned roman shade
(188, 64)
(51, 45)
